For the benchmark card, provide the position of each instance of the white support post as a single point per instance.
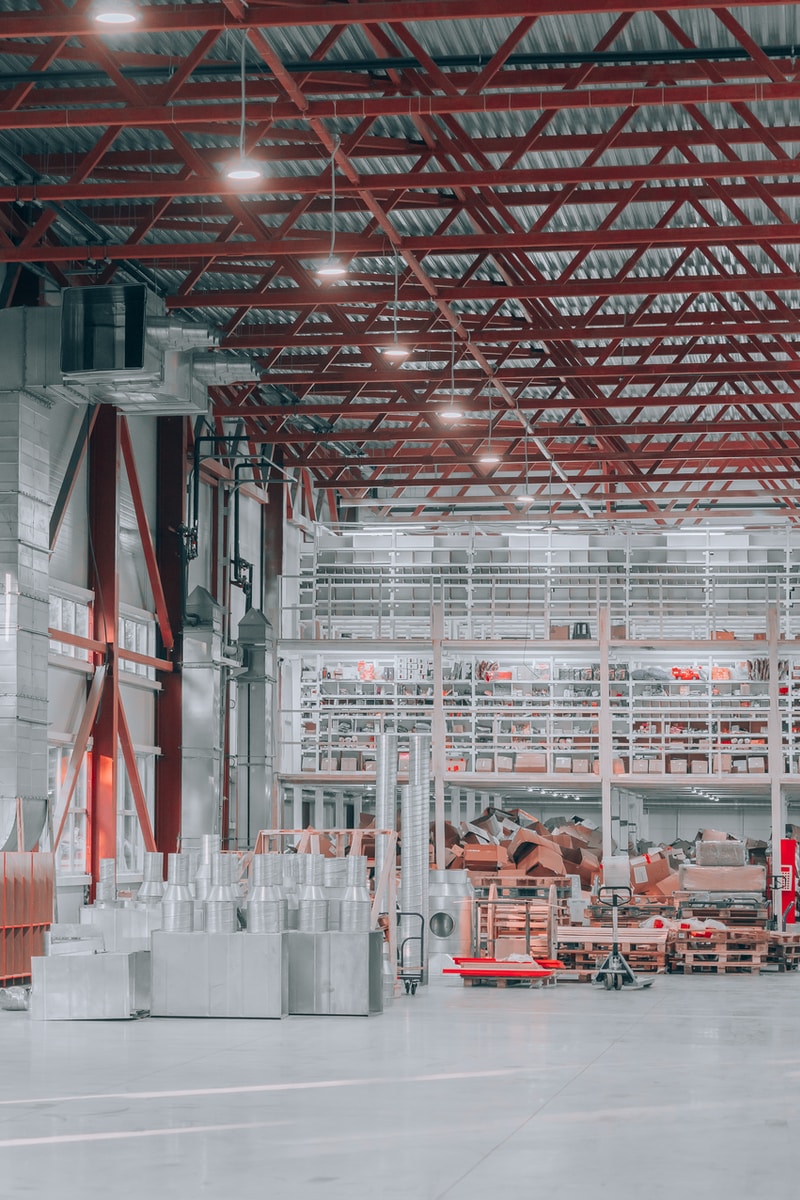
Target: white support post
(775, 755)
(604, 735)
(439, 756)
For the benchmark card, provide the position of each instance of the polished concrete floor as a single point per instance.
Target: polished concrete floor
(690, 1089)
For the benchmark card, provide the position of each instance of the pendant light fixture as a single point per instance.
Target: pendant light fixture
(332, 268)
(452, 412)
(489, 456)
(243, 169)
(395, 351)
(114, 12)
(526, 496)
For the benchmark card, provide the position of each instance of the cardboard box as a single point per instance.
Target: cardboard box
(350, 762)
(655, 766)
(505, 762)
(485, 858)
(328, 763)
(756, 763)
(456, 764)
(531, 761)
(484, 764)
(619, 766)
(723, 635)
(524, 841)
(722, 879)
(562, 763)
(676, 766)
(559, 633)
(668, 886)
(544, 861)
(580, 766)
(619, 632)
(699, 766)
(647, 871)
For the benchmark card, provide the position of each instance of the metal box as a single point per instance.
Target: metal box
(336, 974)
(90, 987)
(124, 929)
(219, 975)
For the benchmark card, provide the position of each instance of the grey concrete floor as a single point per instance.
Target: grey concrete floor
(690, 1089)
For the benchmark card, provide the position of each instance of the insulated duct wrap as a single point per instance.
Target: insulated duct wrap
(267, 908)
(222, 902)
(385, 794)
(177, 905)
(152, 889)
(415, 852)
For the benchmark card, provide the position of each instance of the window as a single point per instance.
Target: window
(69, 613)
(137, 633)
(71, 854)
(130, 841)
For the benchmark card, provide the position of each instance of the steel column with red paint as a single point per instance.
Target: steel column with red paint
(171, 512)
(104, 470)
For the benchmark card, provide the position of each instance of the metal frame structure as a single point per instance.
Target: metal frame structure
(600, 205)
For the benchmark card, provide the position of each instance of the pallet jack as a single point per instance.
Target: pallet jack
(615, 971)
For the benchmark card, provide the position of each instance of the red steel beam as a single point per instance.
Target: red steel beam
(374, 107)
(59, 22)
(104, 468)
(171, 457)
(318, 246)
(145, 536)
(129, 758)
(71, 475)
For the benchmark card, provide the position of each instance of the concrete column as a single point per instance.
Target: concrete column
(24, 643)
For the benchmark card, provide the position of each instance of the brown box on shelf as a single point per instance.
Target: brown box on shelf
(723, 635)
(756, 762)
(725, 763)
(739, 766)
(369, 765)
(328, 762)
(559, 633)
(619, 632)
(655, 766)
(699, 766)
(505, 762)
(676, 766)
(562, 763)
(350, 762)
(580, 766)
(484, 764)
(619, 766)
(640, 766)
(531, 761)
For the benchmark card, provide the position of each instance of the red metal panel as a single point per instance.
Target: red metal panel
(104, 466)
(171, 510)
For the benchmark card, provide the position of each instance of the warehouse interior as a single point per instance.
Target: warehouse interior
(399, 442)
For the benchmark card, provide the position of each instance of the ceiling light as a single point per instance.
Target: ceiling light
(451, 414)
(115, 12)
(396, 351)
(243, 169)
(332, 268)
(489, 458)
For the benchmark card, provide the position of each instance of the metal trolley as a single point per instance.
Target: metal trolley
(411, 977)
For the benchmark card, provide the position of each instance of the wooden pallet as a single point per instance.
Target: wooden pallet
(583, 948)
(784, 950)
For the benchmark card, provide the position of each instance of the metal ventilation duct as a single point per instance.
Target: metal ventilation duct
(415, 853)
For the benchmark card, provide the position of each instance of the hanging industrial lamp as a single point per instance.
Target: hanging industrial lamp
(452, 412)
(333, 267)
(114, 12)
(243, 169)
(395, 351)
(490, 456)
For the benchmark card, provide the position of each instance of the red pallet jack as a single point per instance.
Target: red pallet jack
(615, 971)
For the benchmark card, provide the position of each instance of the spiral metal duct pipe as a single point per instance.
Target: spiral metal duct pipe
(177, 904)
(152, 889)
(267, 907)
(415, 853)
(222, 901)
(356, 907)
(106, 892)
(385, 794)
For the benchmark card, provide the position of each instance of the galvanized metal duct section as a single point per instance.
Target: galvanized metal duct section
(385, 793)
(415, 853)
(24, 582)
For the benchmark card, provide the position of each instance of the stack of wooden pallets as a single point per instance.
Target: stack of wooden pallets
(582, 948)
(739, 951)
(784, 950)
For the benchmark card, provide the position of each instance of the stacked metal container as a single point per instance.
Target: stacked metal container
(177, 905)
(267, 906)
